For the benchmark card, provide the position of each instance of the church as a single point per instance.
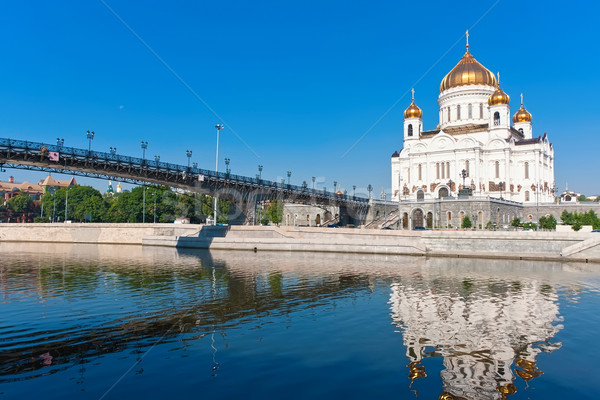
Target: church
(478, 149)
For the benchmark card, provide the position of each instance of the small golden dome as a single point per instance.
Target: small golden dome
(413, 111)
(522, 115)
(498, 97)
(468, 71)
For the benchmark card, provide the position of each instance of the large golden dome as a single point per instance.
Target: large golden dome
(413, 111)
(498, 97)
(468, 71)
(522, 115)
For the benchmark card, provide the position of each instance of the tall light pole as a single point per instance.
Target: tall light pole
(154, 206)
(90, 136)
(188, 153)
(227, 161)
(157, 158)
(353, 190)
(144, 147)
(195, 164)
(313, 181)
(60, 142)
(144, 207)
(334, 186)
(218, 128)
(260, 168)
(67, 203)
(369, 189)
(289, 174)
(383, 197)
(113, 150)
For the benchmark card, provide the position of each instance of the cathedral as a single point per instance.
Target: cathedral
(477, 149)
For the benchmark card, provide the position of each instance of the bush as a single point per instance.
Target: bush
(466, 222)
(577, 226)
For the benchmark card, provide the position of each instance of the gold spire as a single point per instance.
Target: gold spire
(498, 97)
(413, 111)
(468, 71)
(522, 115)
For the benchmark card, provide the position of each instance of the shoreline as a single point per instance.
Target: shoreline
(513, 245)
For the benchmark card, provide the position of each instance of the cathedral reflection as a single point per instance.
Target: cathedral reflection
(487, 332)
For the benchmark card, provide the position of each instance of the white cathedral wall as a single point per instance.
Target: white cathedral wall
(462, 96)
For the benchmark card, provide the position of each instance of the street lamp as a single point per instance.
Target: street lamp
(144, 147)
(313, 181)
(369, 189)
(227, 161)
(289, 174)
(383, 197)
(90, 136)
(67, 202)
(353, 190)
(157, 158)
(144, 207)
(260, 168)
(304, 185)
(195, 164)
(334, 186)
(154, 211)
(282, 182)
(188, 153)
(60, 142)
(113, 150)
(218, 127)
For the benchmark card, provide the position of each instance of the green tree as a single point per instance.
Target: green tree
(21, 205)
(576, 226)
(567, 218)
(466, 222)
(582, 198)
(548, 223)
(516, 222)
(274, 211)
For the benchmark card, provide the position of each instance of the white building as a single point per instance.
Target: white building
(474, 134)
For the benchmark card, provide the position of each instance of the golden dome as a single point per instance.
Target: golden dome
(522, 115)
(413, 111)
(498, 97)
(468, 71)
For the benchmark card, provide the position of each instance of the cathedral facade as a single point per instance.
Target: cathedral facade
(477, 145)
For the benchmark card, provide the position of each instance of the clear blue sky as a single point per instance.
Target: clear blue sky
(297, 84)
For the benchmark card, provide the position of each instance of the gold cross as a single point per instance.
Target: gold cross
(413, 93)
(467, 39)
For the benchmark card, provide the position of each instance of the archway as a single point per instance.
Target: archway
(420, 195)
(405, 221)
(417, 217)
(443, 192)
(430, 220)
(318, 219)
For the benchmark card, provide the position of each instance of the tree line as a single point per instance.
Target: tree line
(86, 204)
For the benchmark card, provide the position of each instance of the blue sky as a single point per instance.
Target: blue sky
(316, 88)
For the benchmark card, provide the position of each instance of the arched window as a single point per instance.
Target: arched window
(470, 111)
(410, 130)
(458, 111)
(449, 119)
(527, 195)
(448, 169)
(437, 170)
(481, 110)
(467, 167)
(526, 170)
(420, 195)
(496, 118)
(497, 168)
(449, 216)
(521, 130)
(420, 169)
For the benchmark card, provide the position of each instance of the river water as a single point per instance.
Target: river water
(114, 322)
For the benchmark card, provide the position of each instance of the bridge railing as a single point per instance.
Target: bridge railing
(72, 153)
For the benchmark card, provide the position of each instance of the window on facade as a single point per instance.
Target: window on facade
(462, 216)
(526, 170)
(470, 111)
(527, 196)
(458, 111)
(408, 174)
(521, 130)
(481, 110)
(449, 119)
(410, 130)
(497, 168)
(467, 167)
(437, 170)
(449, 216)
(496, 118)
(420, 170)
(448, 169)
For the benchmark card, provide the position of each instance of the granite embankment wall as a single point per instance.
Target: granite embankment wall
(571, 246)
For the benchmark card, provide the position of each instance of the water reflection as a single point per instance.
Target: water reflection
(67, 305)
(487, 330)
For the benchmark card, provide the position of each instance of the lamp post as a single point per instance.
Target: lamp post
(113, 150)
(353, 191)
(90, 136)
(144, 147)
(218, 127)
(313, 181)
(195, 165)
(383, 197)
(157, 158)
(188, 153)
(67, 203)
(54, 206)
(334, 186)
(227, 161)
(304, 185)
(60, 142)
(154, 211)
(289, 175)
(260, 168)
(144, 207)
(369, 189)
